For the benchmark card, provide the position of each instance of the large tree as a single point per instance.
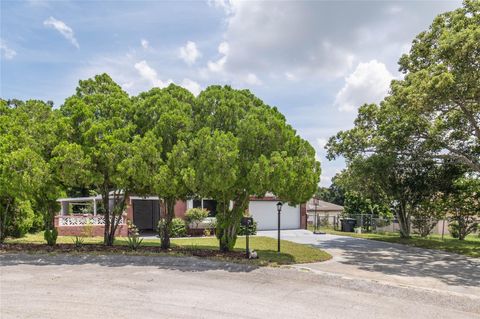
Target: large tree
(165, 114)
(244, 147)
(101, 139)
(29, 132)
(441, 85)
(429, 118)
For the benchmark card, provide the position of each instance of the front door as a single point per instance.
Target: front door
(146, 214)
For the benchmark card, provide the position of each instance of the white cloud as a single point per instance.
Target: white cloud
(368, 83)
(150, 74)
(217, 66)
(7, 52)
(223, 48)
(145, 44)
(192, 86)
(223, 4)
(252, 79)
(290, 76)
(189, 53)
(64, 30)
(298, 35)
(321, 142)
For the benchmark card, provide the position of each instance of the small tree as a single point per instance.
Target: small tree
(464, 206)
(195, 216)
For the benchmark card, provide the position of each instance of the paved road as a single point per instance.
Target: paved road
(392, 263)
(115, 286)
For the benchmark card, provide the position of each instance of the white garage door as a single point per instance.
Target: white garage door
(265, 214)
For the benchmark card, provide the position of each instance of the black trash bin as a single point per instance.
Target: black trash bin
(348, 224)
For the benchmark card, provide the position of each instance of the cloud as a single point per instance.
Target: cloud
(64, 30)
(368, 83)
(150, 74)
(218, 65)
(290, 76)
(297, 36)
(192, 86)
(145, 44)
(189, 53)
(321, 142)
(252, 79)
(7, 52)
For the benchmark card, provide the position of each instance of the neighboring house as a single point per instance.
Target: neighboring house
(80, 215)
(324, 210)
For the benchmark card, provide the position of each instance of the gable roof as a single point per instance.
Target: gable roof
(323, 206)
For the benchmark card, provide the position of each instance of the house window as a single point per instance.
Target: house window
(207, 204)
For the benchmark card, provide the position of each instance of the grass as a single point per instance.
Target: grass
(469, 247)
(266, 248)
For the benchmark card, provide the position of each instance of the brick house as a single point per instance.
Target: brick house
(82, 215)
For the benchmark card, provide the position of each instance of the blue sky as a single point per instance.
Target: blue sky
(317, 61)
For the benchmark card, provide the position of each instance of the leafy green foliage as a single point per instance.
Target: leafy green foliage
(177, 228)
(252, 229)
(425, 133)
(50, 236)
(78, 241)
(242, 147)
(195, 216)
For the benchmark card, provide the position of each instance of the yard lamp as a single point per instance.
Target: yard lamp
(279, 209)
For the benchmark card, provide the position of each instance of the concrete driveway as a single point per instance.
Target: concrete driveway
(391, 263)
(119, 286)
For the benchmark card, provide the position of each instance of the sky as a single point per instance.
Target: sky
(316, 61)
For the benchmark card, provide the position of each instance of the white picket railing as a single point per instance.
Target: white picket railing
(85, 220)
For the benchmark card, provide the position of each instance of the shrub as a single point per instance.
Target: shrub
(50, 236)
(133, 240)
(195, 216)
(78, 241)
(177, 228)
(252, 229)
(21, 219)
(453, 229)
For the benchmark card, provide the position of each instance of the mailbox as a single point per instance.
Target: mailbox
(247, 221)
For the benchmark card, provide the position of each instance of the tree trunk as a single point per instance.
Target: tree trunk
(228, 222)
(3, 221)
(167, 222)
(106, 205)
(403, 220)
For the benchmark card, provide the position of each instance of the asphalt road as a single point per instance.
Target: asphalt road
(391, 263)
(115, 286)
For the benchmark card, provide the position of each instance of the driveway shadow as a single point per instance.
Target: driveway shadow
(184, 264)
(401, 260)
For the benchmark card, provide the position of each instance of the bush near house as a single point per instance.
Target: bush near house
(194, 216)
(178, 228)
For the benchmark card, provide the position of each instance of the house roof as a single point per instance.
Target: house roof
(323, 206)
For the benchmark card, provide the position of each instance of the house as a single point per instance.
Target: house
(82, 215)
(325, 212)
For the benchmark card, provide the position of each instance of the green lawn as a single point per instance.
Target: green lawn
(291, 253)
(469, 247)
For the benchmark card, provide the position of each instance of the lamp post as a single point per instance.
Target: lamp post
(279, 209)
(315, 220)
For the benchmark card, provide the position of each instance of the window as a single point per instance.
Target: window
(208, 204)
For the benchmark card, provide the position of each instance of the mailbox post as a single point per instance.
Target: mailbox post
(247, 221)
(279, 209)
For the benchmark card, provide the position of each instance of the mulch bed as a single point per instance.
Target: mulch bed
(96, 248)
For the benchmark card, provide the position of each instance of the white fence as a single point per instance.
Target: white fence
(85, 220)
